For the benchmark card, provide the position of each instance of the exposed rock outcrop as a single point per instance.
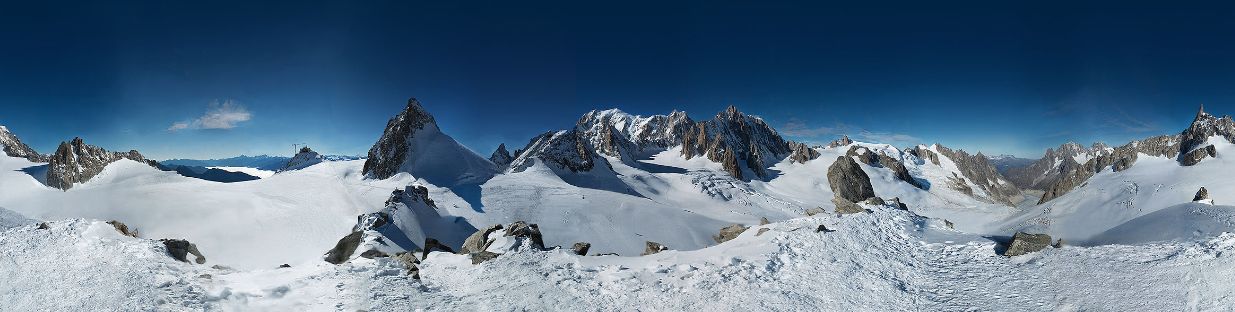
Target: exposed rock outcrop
(1024, 243)
(1054, 164)
(979, 171)
(653, 248)
(736, 140)
(729, 233)
(844, 140)
(802, 153)
(344, 248)
(1202, 195)
(123, 228)
(413, 143)
(844, 206)
(520, 229)
(13, 147)
(1119, 159)
(77, 162)
(479, 241)
(1197, 136)
(180, 249)
(580, 248)
(848, 181)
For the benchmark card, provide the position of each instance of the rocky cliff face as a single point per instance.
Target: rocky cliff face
(978, 169)
(741, 143)
(1194, 142)
(1118, 159)
(732, 136)
(1044, 172)
(413, 143)
(13, 147)
(77, 162)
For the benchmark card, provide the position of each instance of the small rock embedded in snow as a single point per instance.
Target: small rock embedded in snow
(761, 231)
(764, 221)
(526, 230)
(729, 232)
(580, 248)
(180, 249)
(814, 211)
(823, 228)
(1024, 243)
(1202, 196)
(844, 206)
(482, 256)
(122, 228)
(653, 248)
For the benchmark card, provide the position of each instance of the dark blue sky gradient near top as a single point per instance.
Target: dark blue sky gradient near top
(994, 77)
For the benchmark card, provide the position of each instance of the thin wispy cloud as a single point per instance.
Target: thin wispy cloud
(219, 115)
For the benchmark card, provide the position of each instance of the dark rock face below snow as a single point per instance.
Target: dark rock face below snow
(482, 256)
(729, 233)
(520, 229)
(1195, 156)
(180, 249)
(848, 181)
(501, 157)
(1024, 243)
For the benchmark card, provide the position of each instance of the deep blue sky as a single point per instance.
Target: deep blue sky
(999, 78)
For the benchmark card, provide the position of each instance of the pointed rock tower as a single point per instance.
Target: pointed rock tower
(413, 143)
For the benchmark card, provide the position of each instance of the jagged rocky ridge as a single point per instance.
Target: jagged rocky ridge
(77, 162)
(743, 144)
(1045, 171)
(13, 147)
(1188, 148)
(410, 222)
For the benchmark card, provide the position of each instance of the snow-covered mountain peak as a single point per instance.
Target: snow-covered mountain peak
(413, 143)
(304, 158)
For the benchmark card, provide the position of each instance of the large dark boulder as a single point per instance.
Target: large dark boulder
(1201, 194)
(344, 249)
(848, 181)
(180, 250)
(122, 228)
(1024, 243)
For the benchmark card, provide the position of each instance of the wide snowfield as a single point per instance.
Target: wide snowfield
(886, 260)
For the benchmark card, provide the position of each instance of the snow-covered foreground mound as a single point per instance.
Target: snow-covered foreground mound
(887, 260)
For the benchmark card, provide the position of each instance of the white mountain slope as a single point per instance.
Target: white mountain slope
(884, 260)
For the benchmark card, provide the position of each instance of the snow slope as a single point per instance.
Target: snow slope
(886, 260)
(291, 217)
(249, 171)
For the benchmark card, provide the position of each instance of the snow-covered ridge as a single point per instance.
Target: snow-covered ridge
(12, 146)
(413, 143)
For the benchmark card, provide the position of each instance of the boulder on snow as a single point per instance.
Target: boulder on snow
(580, 248)
(122, 228)
(526, 230)
(653, 248)
(409, 260)
(1024, 243)
(180, 250)
(1195, 156)
(1202, 195)
(948, 224)
(761, 231)
(764, 221)
(482, 256)
(344, 248)
(848, 181)
(371, 253)
(432, 244)
(729, 232)
(479, 241)
(814, 211)
(844, 206)
(896, 201)
(874, 201)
